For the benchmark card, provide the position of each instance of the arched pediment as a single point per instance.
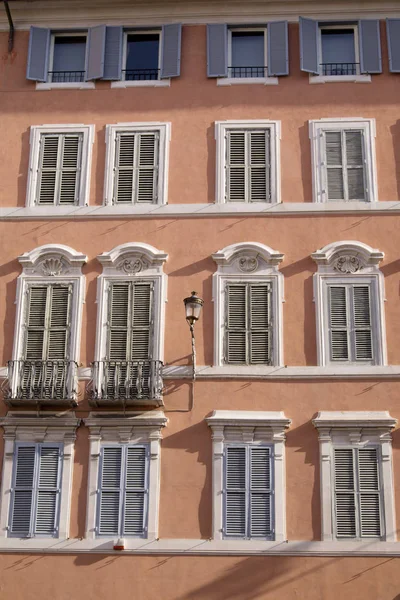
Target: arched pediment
(347, 257)
(248, 257)
(51, 260)
(132, 258)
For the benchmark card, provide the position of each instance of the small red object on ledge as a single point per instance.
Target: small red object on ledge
(120, 545)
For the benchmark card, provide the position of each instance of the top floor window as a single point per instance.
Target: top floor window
(67, 58)
(339, 51)
(247, 53)
(142, 56)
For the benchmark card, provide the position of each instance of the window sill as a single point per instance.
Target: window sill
(340, 78)
(247, 81)
(149, 83)
(75, 85)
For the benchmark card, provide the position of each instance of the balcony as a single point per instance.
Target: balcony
(66, 76)
(126, 382)
(339, 69)
(141, 74)
(247, 72)
(41, 382)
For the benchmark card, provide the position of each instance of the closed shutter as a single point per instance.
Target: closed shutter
(110, 491)
(235, 492)
(277, 49)
(136, 168)
(368, 472)
(48, 490)
(345, 165)
(113, 53)
(96, 42)
(309, 45)
(171, 50)
(393, 37)
(217, 50)
(362, 322)
(370, 46)
(339, 326)
(248, 324)
(22, 500)
(248, 169)
(59, 170)
(260, 492)
(135, 491)
(345, 493)
(38, 54)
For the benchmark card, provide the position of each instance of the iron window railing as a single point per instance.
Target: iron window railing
(125, 380)
(247, 72)
(339, 69)
(66, 76)
(141, 74)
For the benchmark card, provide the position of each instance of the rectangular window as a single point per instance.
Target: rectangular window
(248, 327)
(36, 488)
(247, 52)
(248, 165)
(68, 58)
(345, 165)
(142, 56)
(123, 491)
(339, 50)
(248, 507)
(357, 493)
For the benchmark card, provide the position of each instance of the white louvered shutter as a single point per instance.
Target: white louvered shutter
(235, 492)
(362, 322)
(345, 165)
(260, 492)
(345, 493)
(22, 492)
(248, 166)
(136, 168)
(339, 327)
(135, 491)
(370, 495)
(60, 161)
(48, 490)
(110, 492)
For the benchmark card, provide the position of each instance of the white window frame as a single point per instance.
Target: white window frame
(350, 429)
(221, 127)
(249, 428)
(318, 156)
(346, 263)
(29, 427)
(125, 428)
(164, 130)
(36, 132)
(243, 263)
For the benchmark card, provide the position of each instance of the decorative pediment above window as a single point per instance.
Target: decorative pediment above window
(52, 260)
(133, 259)
(348, 257)
(248, 258)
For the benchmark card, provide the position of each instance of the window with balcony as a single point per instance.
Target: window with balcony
(247, 53)
(339, 50)
(67, 58)
(142, 56)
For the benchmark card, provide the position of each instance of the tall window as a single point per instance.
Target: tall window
(142, 60)
(247, 53)
(339, 51)
(68, 58)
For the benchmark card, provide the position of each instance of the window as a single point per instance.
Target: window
(248, 161)
(248, 474)
(339, 51)
(60, 162)
(356, 475)
(142, 56)
(247, 300)
(343, 160)
(67, 58)
(349, 297)
(247, 52)
(137, 163)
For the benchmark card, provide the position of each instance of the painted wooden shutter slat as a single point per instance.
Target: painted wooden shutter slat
(338, 323)
(141, 321)
(355, 165)
(362, 322)
(118, 321)
(259, 151)
(260, 492)
(171, 50)
(277, 48)
(309, 45)
(260, 343)
(345, 508)
(235, 492)
(110, 491)
(35, 319)
(370, 517)
(96, 42)
(48, 490)
(370, 46)
(393, 37)
(38, 54)
(147, 168)
(70, 169)
(236, 324)
(135, 490)
(334, 164)
(47, 177)
(125, 168)
(59, 323)
(217, 50)
(23, 490)
(113, 53)
(236, 166)
(59, 169)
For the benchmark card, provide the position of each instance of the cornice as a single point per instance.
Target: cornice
(345, 420)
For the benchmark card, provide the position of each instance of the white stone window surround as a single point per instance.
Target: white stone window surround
(125, 428)
(250, 427)
(316, 130)
(349, 262)
(34, 428)
(36, 133)
(164, 130)
(275, 137)
(241, 263)
(356, 429)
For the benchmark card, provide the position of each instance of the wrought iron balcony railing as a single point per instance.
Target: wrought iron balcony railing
(140, 74)
(41, 381)
(126, 381)
(335, 69)
(247, 72)
(66, 76)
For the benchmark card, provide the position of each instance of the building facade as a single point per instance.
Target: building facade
(249, 152)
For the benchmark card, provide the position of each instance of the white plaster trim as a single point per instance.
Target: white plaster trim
(86, 161)
(340, 79)
(164, 130)
(318, 154)
(145, 83)
(221, 81)
(34, 428)
(125, 428)
(73, 85)
(221, 127)
(356, 429)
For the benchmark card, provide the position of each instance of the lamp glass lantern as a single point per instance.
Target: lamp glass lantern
(193, 306)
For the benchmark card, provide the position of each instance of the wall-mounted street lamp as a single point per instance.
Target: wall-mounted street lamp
(193, 305)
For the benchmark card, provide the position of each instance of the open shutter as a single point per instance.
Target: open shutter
(309, 45)
(338, 319)
(96, 43)
(362, 322)
(260, 492)
(370, 512)
(48, 490)
(171, 50)
(277, 48)
(393, 37)
(38, 54)
(22, 499)
(113, 53)
(260, 326)
(370, 46)
(135, 491)
(235, 492)
(345, 492)
(217, 50)
(236, 320)
(109, 503)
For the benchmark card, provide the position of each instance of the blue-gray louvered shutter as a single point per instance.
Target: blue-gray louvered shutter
(309, 45)
(277, 49)
(217, 50)
(171, 50)
(260, 492)
(38, 54)
(48, 490)
(235, 492)
(109, 495)
(96, 42)
(393, 37)
(113, 53)
(135, 491)
(370, 46)
(22, 491)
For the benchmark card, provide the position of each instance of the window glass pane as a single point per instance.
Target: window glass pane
(69, 53)
(248, 51)
(142, 56)
(338, 46)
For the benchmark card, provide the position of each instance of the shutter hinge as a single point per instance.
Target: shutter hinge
(8, 528)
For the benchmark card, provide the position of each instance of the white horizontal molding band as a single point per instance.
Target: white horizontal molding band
(195, 210)
(201, 547)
